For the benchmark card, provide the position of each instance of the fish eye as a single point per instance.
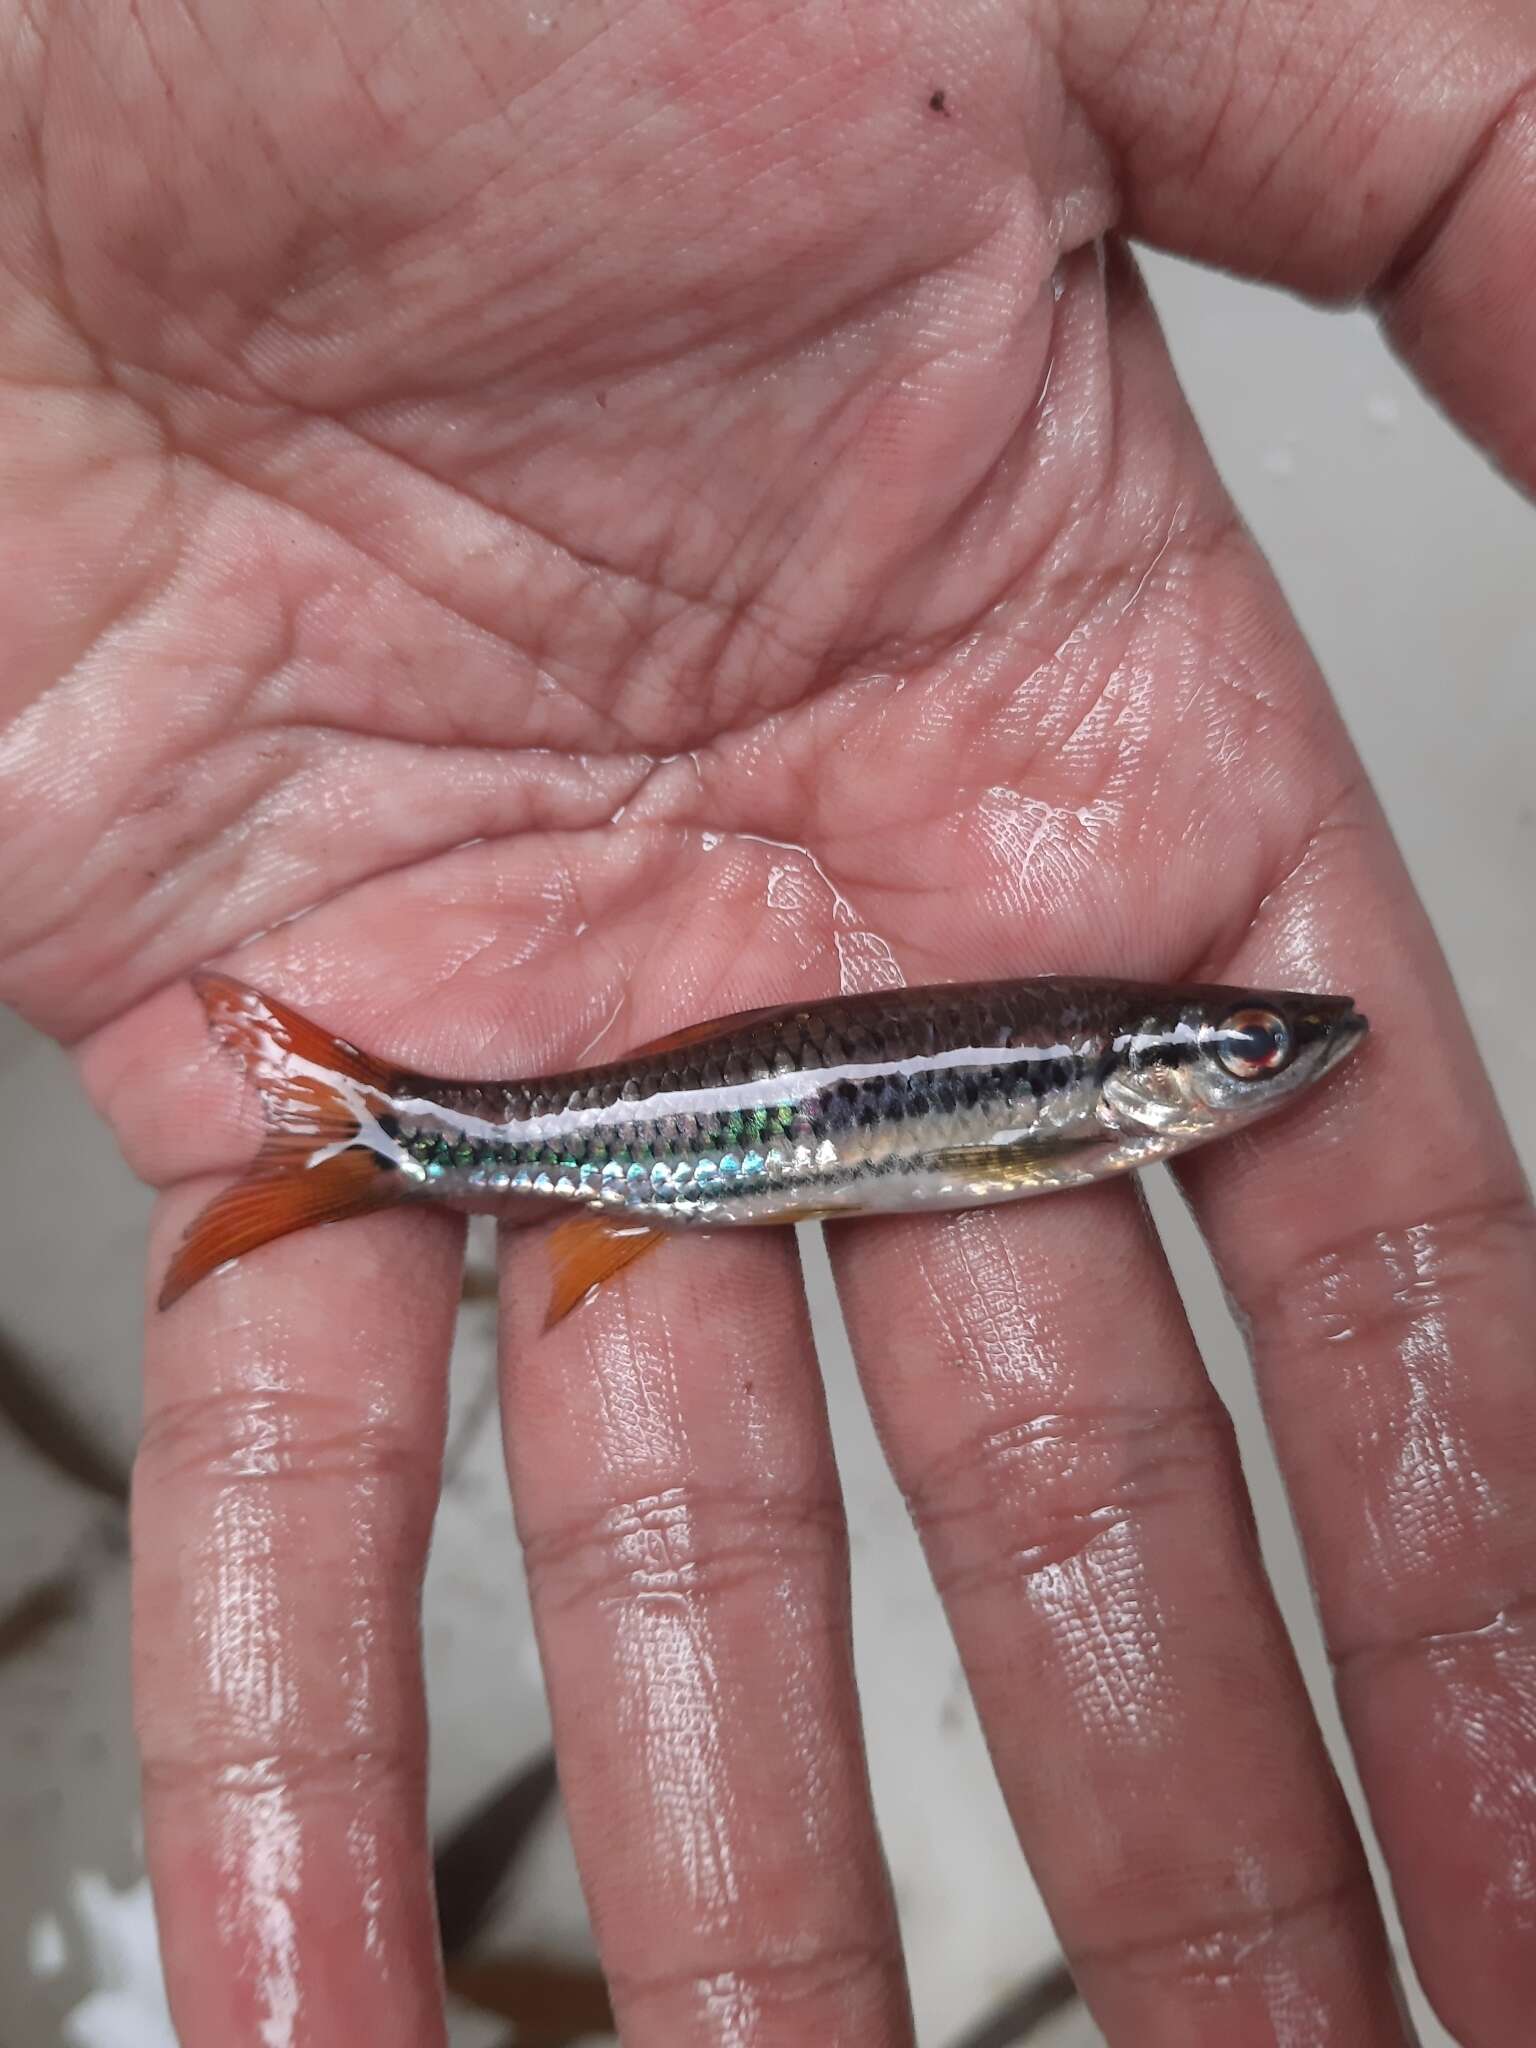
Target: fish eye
(1251, 1044)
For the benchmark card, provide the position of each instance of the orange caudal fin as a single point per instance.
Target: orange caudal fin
(316, 1165)
(585, 1252)
(300, 1071)
(261, 1207)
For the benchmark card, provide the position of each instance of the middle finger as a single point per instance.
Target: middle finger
(679, 1509)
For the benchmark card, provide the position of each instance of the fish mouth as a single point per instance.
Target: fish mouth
(1336, 1024)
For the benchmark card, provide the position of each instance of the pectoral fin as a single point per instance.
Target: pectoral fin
(585, 1252)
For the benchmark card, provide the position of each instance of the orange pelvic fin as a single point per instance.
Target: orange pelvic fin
(315, 1166)
(585, 1252)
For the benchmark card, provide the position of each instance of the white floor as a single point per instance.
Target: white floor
(1414, 570)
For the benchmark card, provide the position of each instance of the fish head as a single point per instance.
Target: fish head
(1200, 1062)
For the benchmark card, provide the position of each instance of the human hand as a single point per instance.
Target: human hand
(524, 531)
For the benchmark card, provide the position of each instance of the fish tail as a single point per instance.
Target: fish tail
(322, 1097)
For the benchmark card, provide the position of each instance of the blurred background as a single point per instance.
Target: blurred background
(1413, 569)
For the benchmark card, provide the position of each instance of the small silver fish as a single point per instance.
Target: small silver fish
(902, 1100)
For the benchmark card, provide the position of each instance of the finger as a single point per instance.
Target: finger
(1348, 151)
(687, 1559)
(1382, 1248)
(1075, 1484)
(283, 1498)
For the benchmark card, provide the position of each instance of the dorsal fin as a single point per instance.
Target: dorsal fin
(713, 1027)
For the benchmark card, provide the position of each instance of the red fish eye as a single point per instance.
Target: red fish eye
(1253, 1043)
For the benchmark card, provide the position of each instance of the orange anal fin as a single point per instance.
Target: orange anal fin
(270, 1205)
(585, 1252)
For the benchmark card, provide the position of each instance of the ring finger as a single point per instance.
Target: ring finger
(1076, 1486)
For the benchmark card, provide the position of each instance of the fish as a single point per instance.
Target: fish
(900, 1101)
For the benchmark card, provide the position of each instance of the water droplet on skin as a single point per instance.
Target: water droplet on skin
(865, 960)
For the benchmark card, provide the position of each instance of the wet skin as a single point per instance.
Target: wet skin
(467, 584)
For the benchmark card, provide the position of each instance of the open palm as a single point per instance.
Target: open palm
(524, 530)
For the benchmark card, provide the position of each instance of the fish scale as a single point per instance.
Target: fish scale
(857, 1106)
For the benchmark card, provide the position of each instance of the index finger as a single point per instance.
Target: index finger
(1351, 151)
(283, 1498)
(284, 1492)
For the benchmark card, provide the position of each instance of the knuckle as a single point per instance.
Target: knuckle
(681, 1542)
(1030, 1494)
(1496, 1632)
(245, 1772)
(814, 1970)
(1214, 1951)
(270, 1438)
(1364, 1287)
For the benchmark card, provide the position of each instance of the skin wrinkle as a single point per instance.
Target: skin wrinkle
(668, 1669)
(1106, 1623)
(648, 1546)
(239, 843)
(603, 570)
(1444, 1644)
(1334, 819)
(275, 1436)
(1301, 2019)
(1079, 1565)
(1396, 1290)
(370, 1875)
(1073, 1499)
(857, 969)
(603, 573)
(665, 1661)
(240, 1770)
(1420, 242)
(1108, 710)
(126, 607)
(612, 733)
(1435, 1485)
(762, 1990)
(1215, 1955)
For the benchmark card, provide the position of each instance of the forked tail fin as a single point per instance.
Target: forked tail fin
(319, 1094)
